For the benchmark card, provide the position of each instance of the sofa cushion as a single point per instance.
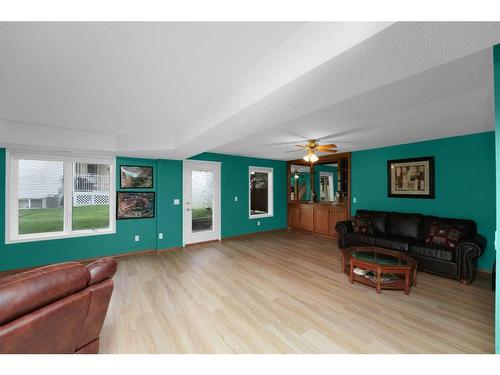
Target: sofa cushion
(405, 225)
(365, 238)
(431, 251)
(468, 227)
(361, 224)
(390, 241)
(444, 235)
(378, 219)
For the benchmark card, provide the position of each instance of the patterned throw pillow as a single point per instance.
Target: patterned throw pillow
(444, 235)
(361, 224)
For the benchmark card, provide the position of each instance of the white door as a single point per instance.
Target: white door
(201, 197)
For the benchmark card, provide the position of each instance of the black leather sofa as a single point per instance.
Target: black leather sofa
(407, 232)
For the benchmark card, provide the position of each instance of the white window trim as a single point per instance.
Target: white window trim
(270, 192)
(11, 201)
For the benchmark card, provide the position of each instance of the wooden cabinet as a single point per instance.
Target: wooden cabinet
(294, 216)
(336, 215)
(321, 220)
(316, 217)
(306, 217)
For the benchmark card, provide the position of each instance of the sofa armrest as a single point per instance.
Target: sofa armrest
(467, 253)
(101, 270)
(344, 227)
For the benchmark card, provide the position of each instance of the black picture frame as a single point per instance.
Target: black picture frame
(119, 216)
(431, 189)
(146, 167)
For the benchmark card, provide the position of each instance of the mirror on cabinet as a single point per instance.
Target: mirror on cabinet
(326, 181)
(300, 183)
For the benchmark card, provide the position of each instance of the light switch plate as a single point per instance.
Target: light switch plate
(354, 200)
(236, 199)
(160, 236)
(177, 202)
(136, 238)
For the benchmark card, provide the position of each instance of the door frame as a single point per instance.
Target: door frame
(217, 213)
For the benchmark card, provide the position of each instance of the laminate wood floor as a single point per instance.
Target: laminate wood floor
(283, 292)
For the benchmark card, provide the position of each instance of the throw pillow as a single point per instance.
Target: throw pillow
(444, 235)
(361, 224)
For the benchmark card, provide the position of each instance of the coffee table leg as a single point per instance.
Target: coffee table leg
(351, 274)
(379, 281)
(415, 276)
(407, 282)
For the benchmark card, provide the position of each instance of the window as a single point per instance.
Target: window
(261, 192)
(55, 197)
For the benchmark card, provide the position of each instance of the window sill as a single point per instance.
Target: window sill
(260, 216)
(58, 236)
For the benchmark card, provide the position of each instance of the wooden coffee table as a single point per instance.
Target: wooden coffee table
(380, 261)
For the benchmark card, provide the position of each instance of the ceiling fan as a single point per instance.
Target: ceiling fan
(312, 146)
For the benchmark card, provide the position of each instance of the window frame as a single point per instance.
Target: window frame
(12, 203)
(270, 191)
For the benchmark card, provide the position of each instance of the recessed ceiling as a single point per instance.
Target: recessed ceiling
(176, 89)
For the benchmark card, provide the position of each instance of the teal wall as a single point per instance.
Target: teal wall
(234, 182)
(168, 218)
(465, 184)
(496, 60)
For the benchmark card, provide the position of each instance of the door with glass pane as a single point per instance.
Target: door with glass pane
(201, 197)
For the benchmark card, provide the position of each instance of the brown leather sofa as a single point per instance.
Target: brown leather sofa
(55, 309)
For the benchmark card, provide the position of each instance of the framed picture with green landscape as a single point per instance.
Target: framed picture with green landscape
(135, 205)
(136, 177)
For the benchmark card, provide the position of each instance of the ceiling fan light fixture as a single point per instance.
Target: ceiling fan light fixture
(311, 157)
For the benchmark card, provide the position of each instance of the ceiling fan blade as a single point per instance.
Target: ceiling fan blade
(287, 152)
(297, 135)
(281, 143)
(329, 151)
(302, 146)
(327, 146)
(345, 132)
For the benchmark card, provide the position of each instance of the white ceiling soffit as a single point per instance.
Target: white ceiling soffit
(447, 100)
(176, 89)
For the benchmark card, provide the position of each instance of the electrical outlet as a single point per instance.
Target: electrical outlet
(258, 223)
(160, 236)
(176, 202)
(136, 238)
(354, 200)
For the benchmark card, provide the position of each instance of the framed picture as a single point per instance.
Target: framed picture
(134, 177)
(411, 178)
(135, 205)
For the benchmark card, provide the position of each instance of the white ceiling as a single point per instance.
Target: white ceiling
(177, 89)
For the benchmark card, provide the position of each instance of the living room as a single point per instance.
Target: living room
(249, 187)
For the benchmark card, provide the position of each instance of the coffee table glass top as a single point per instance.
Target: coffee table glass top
(377, 257)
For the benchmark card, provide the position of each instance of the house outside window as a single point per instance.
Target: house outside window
(260, 192)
